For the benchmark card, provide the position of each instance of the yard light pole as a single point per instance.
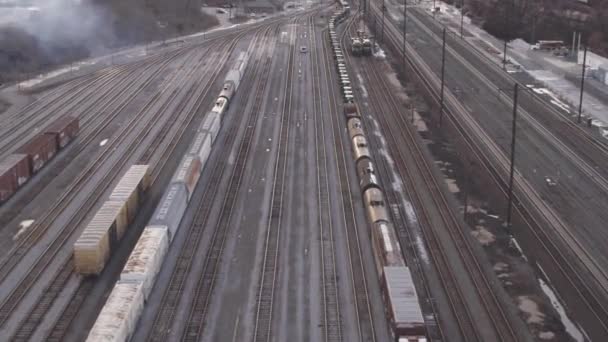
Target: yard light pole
(404, 26)
(580, 104)
(512, 170)
(442, 78)
(383, 10)
(461, 17)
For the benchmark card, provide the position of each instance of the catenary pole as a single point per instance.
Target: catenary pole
(442, 79)
(512, 171)
(580, 103)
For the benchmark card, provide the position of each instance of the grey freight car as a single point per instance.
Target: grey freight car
(403, 307)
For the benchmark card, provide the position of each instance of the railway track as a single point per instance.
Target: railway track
(206, 282)
(366, 327)
(332, 320)
(52, 290)
(265, 296)
(60, 329)
(578, 275)
(172, 295)
(403, 228)
(432, 203)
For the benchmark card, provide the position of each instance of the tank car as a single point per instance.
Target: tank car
(360, 147)
(355, 127)
(227, 90)
(375, 205)
(368, 181)
(365, 166)
(220, 106)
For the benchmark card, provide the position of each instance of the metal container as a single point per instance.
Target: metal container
(364, 167)
(402, 303)
(227, 90)
(40, 150)
(355, 127)
(220, 106)
(146, 258)
(360, 147)
(387, 251)
(118, 317)
(188, 172)
(171, 208)
(201, 146)
(64, 129)
(115, 210)
(97, 242)
(368, 181)
(375, 205)
(131, 188)
(14, 172)
(211, 124)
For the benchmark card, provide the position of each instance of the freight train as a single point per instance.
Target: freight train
(398, 290)
(118, 318)
(17, 168)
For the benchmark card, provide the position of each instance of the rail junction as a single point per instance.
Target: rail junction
(290, 194)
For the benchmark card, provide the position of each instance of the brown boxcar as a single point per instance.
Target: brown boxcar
(14, 172)
(40, 150)
(64, 129)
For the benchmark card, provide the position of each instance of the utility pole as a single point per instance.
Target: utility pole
(404, 26)
(434, 8)
(442, 79)
(461, 17)
(466, 193)
(580, 104)
(512, 171)
(507, 28)
(383, 10)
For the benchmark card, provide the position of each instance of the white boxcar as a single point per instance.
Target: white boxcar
(147, 257)
(211, 124)
(402, 301)
(171, 208)
(118, 317)
(131, 187)
(201, 146)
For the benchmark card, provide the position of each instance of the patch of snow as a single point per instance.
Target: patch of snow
(363, 89)
(484, 236)
(572, 328)
(531, 309)
(518, 247)
(379, 53)
(24, 225)
(422, 249)
(452, 186)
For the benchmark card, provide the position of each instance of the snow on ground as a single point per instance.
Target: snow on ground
(363, 89)
(379, 53)
(531, 309)
(576, 332)
(24, 225)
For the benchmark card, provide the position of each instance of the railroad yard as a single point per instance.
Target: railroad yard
(325, 173)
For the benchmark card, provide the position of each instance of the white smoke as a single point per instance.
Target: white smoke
(60, 24)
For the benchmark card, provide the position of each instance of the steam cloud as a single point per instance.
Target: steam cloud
(62, 25)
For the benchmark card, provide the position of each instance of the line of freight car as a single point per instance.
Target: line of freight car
(118, 318)
(399, 292)
(16, 169)
(96, 244)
